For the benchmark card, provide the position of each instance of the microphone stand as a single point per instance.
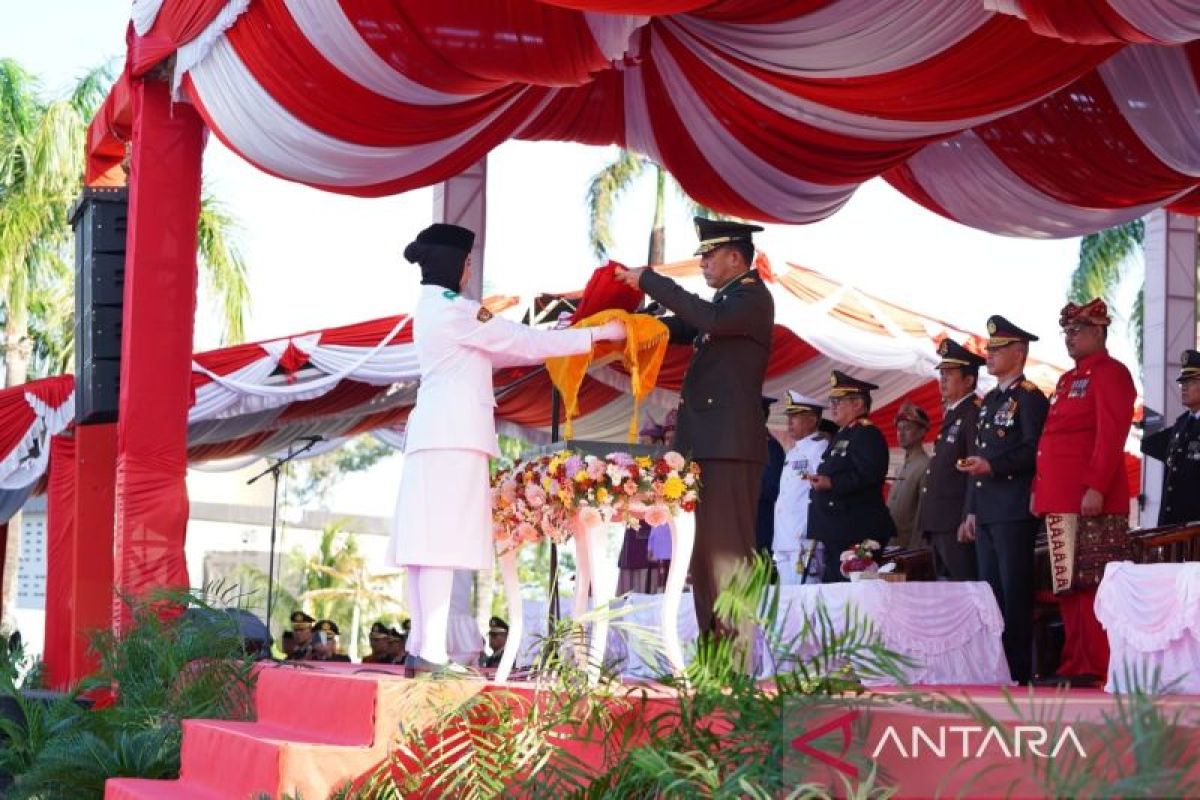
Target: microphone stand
(273, 470)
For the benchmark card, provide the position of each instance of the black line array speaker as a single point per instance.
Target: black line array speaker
(100, 220)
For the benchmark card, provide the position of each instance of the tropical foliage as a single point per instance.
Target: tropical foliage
(187, 663)
(1104, 257)
(610, 184)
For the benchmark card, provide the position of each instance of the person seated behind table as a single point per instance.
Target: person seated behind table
(398, 642)
(379, 640)
(497, 641)
(325, 642)
(302, 636)
(287, 644)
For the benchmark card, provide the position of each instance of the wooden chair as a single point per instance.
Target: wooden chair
(914, 564)
(1169, 544)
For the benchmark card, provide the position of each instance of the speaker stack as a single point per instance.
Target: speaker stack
(100, 220)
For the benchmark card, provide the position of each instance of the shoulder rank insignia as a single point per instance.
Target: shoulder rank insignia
(449, 294)
(862, 422)
(746, 280)
(1029, 386)
(484, 315)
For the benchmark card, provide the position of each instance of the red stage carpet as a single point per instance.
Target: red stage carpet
(321, 726)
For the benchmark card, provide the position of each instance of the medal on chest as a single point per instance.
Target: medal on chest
(840, 448)
(1193, 450)
(1078, 389)
(952, 433)
(1006, 414)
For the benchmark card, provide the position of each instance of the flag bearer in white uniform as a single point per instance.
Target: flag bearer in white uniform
(792, 544)
(443, 514)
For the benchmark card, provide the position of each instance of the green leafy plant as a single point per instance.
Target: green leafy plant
(183, 657)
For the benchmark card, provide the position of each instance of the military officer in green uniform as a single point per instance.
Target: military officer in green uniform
(720, 422)
(846, 505)
(1179, 448)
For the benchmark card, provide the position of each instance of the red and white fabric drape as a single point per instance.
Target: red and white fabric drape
(1024, 117)
(29, 416)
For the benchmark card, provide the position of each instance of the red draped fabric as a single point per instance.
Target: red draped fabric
(59, 648)
(176, 24)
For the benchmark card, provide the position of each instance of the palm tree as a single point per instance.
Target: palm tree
(606, 188)
(1103, 259)
(42, 147)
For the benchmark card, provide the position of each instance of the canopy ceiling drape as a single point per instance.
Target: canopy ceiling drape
(1022, 117)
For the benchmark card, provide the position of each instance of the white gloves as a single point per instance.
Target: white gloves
(613, 331)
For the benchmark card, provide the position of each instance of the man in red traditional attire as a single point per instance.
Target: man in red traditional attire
(1081, 487)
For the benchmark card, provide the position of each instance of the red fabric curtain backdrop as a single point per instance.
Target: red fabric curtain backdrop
(61, 597)
(156, 351)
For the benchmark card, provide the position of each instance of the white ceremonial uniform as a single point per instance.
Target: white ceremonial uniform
(791, 507)
(443, 513)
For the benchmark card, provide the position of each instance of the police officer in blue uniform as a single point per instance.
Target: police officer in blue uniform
(846, 505)
(1001, 467)
(1179, 448)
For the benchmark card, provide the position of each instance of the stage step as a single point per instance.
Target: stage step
(316, 729)
(139, 789)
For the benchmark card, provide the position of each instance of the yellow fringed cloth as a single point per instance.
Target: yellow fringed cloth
(642, 354)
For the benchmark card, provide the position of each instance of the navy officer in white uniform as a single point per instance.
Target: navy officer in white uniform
(443, 513)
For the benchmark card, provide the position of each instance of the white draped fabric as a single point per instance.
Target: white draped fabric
(965, 175)
(951, 631)
(1151, 613)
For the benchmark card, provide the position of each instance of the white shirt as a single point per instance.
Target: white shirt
(456, 351)
(791, 508)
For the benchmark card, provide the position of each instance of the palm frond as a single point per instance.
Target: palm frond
(604, 189)
(1102, 258)
(223, 266)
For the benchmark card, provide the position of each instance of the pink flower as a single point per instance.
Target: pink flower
(527, 533)
(658, 515)
(630, 488)
(508, 491)
(535, 495)
(589, 517)
(674, 460)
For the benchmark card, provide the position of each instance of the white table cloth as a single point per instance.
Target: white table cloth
(951, 630)
(1151, 613)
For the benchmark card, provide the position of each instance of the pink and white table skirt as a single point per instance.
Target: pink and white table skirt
(951, 631)
(1151, 613)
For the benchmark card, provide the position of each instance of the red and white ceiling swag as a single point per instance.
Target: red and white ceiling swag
(1023, 117)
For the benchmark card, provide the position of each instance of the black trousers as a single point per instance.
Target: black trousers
(953, 560)
(1004, 551)
(725, 520)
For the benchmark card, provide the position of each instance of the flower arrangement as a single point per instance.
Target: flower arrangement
(860, 559)
(548, 496)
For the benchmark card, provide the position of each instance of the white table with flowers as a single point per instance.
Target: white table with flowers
(590, 498)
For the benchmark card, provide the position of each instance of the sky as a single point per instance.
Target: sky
(317, 259)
